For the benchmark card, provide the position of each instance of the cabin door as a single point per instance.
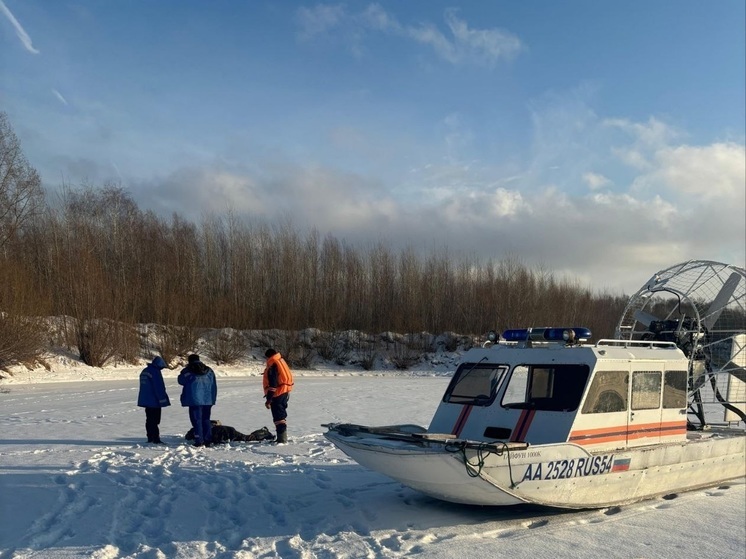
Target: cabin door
(644, 423)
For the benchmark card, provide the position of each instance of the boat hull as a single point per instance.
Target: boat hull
(561, 475)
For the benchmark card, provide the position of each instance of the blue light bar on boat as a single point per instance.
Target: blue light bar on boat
(546, 334)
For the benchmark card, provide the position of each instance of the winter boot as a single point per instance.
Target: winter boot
(282, 438)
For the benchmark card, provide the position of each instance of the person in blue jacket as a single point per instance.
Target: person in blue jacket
(199, 393)
(153, 397)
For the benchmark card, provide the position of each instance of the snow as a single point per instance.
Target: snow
(77, 480)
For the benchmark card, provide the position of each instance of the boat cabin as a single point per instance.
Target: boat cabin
(544, 386)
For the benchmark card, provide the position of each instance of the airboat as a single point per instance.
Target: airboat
(544, 416)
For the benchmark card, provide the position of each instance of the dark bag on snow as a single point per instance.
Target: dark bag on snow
(224, 433)
(262, 434)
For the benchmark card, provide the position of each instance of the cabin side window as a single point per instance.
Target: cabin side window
(546, 387)
(475, 384)
(608, 392)
(646, 390)
(674, 389)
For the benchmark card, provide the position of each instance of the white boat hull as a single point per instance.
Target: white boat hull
(561, 475)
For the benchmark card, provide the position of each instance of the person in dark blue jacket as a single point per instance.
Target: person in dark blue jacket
(199, 393)
(153, 397)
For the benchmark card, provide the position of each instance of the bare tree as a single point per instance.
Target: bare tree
(21, 194)
(225, 346)
(21, 199)
(21, 340)
(175, 341)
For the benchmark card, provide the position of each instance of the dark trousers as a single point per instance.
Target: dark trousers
(152, 420)
(279, 407)
(200, 418)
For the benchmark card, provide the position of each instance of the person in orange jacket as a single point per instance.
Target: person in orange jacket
(278, 382)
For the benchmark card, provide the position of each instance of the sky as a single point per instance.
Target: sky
(78, 481)
(602, 141)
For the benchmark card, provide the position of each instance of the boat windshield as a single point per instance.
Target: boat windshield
(546, 387)
(475, 384)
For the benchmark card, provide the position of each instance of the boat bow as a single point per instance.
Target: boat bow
(437, 464)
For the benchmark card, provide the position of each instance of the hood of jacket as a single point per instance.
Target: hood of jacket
(159, 362)
(197, 367)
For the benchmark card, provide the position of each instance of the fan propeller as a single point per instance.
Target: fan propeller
(712, 336)
(721, 301)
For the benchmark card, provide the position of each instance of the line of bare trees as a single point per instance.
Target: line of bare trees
(98, 260)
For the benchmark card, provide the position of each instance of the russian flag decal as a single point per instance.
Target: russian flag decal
(620, 465)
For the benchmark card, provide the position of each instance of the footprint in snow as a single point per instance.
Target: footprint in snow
(507, 534)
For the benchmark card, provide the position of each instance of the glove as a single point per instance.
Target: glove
(268, 404)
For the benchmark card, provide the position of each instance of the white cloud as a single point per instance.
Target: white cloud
(566, 136)
(458, 137)
(319, 19)
(375, 17)
(461, 44)
(647, 138)
(59, 96)
(595, 181)
(311, 195)
(507, 203)
(20, 31)
(471, 208)
(714, 171)
(653, 133)
(487, 45)
(633, 157)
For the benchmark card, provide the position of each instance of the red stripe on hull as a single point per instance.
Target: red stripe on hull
(461, 421)
(521, 428)
(624, 433)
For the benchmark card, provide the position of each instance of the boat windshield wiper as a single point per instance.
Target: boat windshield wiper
(453, 396)
(474, 366)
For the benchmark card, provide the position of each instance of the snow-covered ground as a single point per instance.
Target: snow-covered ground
(77, 480)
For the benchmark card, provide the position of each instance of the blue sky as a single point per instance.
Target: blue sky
(599, 140)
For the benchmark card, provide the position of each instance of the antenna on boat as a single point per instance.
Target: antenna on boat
(700, 305)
